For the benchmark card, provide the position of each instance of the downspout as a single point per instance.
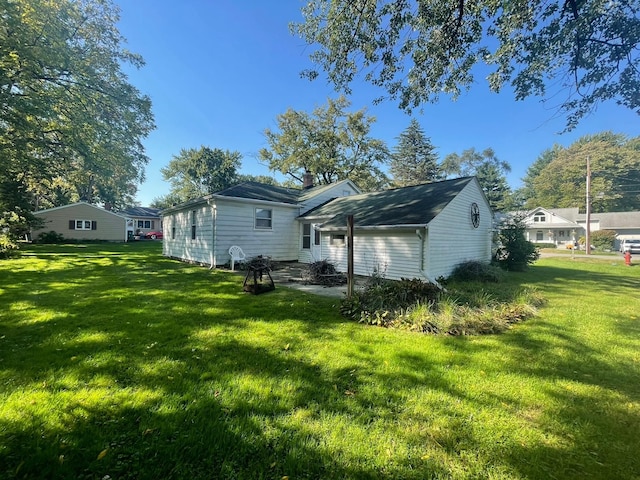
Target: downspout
(421, 233)
(421, 236)
(214, 233)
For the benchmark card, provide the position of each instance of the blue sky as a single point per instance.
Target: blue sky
(219, 72)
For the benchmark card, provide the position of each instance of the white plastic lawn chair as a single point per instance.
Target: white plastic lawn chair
(237, 255)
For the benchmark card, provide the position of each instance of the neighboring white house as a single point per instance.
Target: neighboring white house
(421, 231)
(142, 220)
(562, 226)
(83, 221)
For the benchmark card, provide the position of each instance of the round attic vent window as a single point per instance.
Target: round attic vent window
(475, 215)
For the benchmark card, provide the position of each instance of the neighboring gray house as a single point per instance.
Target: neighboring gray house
(83, 221)
(421, 231)
(562, 226)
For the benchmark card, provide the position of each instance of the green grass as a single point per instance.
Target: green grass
(116, 361)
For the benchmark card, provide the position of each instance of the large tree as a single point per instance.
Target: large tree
(197, 172)
(586, 51)
(414, 159)
(67, 110)
(615, 175)
(330, 143)
(490, 171)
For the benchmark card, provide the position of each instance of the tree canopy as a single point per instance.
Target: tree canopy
(615, 178)
(490, 171)
(585, 51)
(194, 172)
(414, 159)
(69, 118)
(330, 143)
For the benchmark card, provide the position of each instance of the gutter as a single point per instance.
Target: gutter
(377, 227)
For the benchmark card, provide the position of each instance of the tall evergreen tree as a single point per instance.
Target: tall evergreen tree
(414, 159)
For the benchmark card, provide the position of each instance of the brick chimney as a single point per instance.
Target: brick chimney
(307, 180)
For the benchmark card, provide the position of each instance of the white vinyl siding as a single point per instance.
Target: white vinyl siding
(391, 253)
(198, 249)
(452, 239)
(235, 223)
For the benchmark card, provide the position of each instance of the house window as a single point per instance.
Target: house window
(539, 217)
(316, 237)
(337, 239)
(539, 236)
(306, 235)
(146, 224)
(263, 219)
(193, 224)
(561, 234)
(173, 233)
(83, 225)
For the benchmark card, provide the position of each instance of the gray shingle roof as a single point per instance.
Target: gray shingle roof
(415, 205)
(261, 191)
(141, 212)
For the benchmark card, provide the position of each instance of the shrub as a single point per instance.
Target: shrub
(8, 247)
(380, 301)
(50, 237)
(603, 239)
(475, 271)
(515, 252)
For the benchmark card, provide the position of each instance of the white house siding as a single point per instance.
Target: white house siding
(452, 239)
(235, 226)
(180, 244)
(338, 190)
(109, 226)
(392, 253)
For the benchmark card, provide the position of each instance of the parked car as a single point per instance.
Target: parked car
(153, 235)
(630, 245)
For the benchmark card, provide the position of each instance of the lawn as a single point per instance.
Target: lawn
(116, 363)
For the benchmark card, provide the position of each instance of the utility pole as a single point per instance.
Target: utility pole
(587, 247)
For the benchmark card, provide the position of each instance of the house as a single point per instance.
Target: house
(83, 221)
(142, 220)
(562, 226)
(421, 231)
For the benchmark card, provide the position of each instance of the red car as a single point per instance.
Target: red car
(153, 235)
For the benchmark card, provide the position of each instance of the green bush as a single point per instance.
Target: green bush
(474, 271)
(379, 302)
(50, 237)
(8, 247)
(515, 253)
(603, 239)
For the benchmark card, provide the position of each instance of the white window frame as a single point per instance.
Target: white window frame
(539, 217)
(84, 224)
(338, 239)
(306, 236)
(262, 222)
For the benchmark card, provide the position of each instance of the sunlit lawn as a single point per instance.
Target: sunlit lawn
(116, 361)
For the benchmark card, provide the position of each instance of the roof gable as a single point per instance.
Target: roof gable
(308, 193)
(413, 205)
